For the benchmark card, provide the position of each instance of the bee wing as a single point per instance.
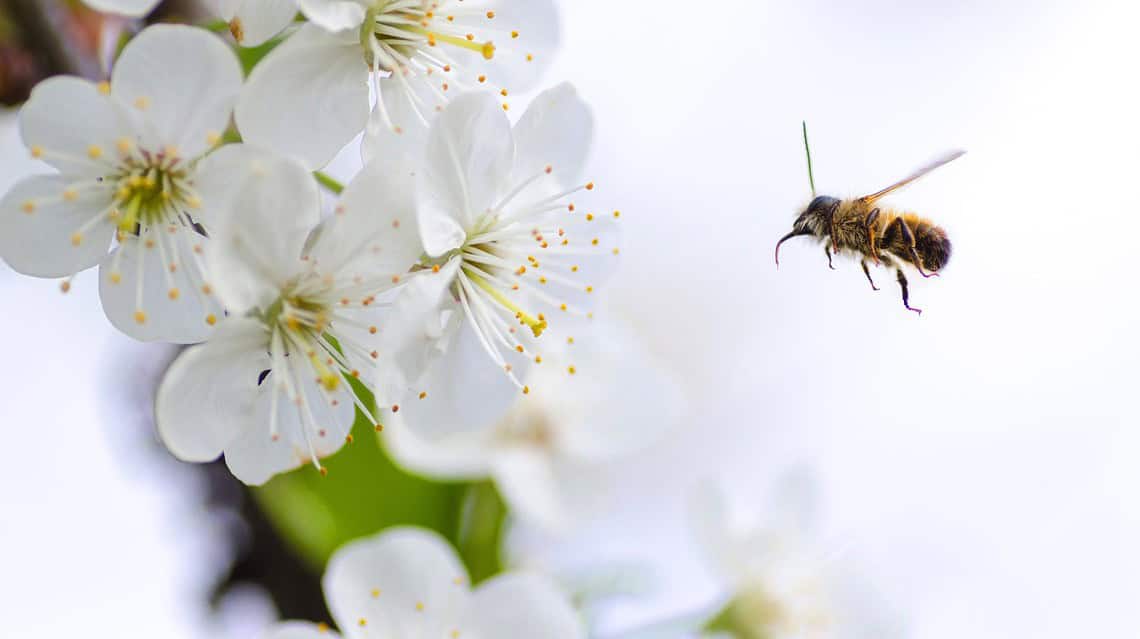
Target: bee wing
(942, 161)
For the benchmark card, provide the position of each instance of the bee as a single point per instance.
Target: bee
(886, 236)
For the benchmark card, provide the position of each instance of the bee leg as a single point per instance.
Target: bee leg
(831, 226)
(867, 272)
(908, 237)
(905, 293)
(869, 223)
(827, 250)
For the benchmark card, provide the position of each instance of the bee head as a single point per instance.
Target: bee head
(811, 221)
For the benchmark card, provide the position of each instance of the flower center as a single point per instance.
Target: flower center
(150, 189)
(402, 34)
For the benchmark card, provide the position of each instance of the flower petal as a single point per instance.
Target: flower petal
(206, 397)
(185, 80)
(518, 62)
(373, 232)
(129, 8)
(173, 306)
(526, 477)
(333, 15)
(315, 428)
(555, 131)
(514, 605)
(462, 456)
(39, 226)
(400, 127)
(265, 215)
(253, 22)
(468, 162)
(299, 630)
(404, 580)
(316, 122)
(73, 126)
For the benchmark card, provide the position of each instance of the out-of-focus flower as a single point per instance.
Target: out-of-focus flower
(268, 390)
(595, 403)
(781, 584)
(514, 261)
(128, 156)
(408, 582)
(128, 8)
(310, 96)
(253, 22)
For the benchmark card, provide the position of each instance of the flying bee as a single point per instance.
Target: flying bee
(885, 236)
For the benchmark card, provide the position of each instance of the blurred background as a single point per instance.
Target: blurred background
(976, 464)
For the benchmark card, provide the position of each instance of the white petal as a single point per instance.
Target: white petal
(469, 156)
(539, 35)
(256, 21)
(265, 216)
(42, 242)
(402, 582)
(206, 397)
(173, 305)
(186, 80)
(308, 97)
(373, 233)
(619, 402)
(409, 108)
(465, 391)
(299, 630)
(514, 605)
(526, 477)
(70, 121)
(257, 456)
(556, 131)
(333, 15)
(129, 8)
(463, 456)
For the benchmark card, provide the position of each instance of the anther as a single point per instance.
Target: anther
(140, 317)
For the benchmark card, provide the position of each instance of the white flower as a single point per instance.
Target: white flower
(408, 582)
(127, 155)
(310, 96)
(129, 8)
(781, 584)
(510, 259)
(267, 390)
(593, 405)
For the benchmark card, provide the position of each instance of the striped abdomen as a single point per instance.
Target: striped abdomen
(930, 241)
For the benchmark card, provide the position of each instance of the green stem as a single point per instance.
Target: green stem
(329, 182)
(482, 526)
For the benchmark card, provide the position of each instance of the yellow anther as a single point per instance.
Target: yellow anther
(37, 152)
(322, 627)
(140, 317)
(375, 593)
(94, 152)
(211, 319)
(419, 606)
(490, 14)
(571, 370)
(104, 88)
(617, 214)
(116, 277)
(170, 150)
(529, 58)
(324, 471)
(123, 145)
(76, 239)
(589, 217)
(29, 206)
(70, 195)
(64, 286)
(514, 34)
(488, 50)
(526, 390)
(173, 294)
(236, 30)
(142, 102)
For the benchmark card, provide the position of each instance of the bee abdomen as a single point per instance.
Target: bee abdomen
(932, 245)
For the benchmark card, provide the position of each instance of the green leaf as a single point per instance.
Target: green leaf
(481, 529)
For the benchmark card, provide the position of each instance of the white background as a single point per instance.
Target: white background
(978, 463)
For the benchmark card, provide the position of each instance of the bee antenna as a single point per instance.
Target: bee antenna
(807, 150)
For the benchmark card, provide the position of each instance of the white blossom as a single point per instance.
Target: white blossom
(127, 156)
(269, 389)
(409, 582)
(253, 22)
(310, 96)
(594, 404)
(508, 259)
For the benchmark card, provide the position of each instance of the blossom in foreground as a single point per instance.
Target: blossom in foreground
(409, 582)
(127, 155)
(268, 389)
(415, 53)
(593, 405)
(781, 584)
(512, 259)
